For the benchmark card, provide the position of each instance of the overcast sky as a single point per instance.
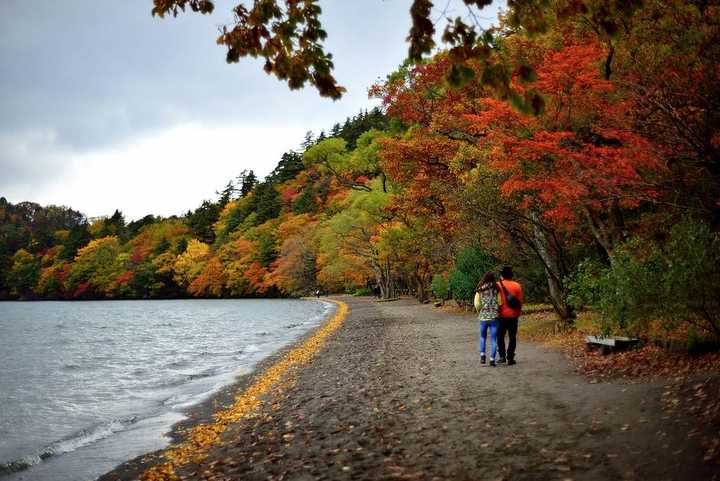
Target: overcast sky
(103, 106)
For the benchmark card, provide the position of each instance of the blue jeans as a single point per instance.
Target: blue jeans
(493, 325)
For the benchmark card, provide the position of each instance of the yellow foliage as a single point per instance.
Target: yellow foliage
(165, 263)
(96, 227)
(190, 263)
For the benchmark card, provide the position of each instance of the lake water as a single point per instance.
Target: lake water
(85, 386)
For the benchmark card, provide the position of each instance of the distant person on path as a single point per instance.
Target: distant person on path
(511, 294)
(488, 305)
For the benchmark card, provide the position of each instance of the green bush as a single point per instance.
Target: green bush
(470, 265)
(676, 282)
(440, 286)
(363, 291)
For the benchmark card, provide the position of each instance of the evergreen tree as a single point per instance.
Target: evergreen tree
(267, 202)
(201, 221)
(162, 246)
(290, 165)
(78, 237)
(305, 203)
(227, 194)
(134, 227)
(335, 131)
(114, 225)
(247, 181)
(309, 140)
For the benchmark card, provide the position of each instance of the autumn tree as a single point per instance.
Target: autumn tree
(580, 160)
(356, 232)
(190, 263)
(294, 270)
(211, 280)
(23, 274)
(96, 268)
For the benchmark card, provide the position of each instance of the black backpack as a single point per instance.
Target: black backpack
(512, 301)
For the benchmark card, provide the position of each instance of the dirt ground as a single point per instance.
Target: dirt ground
(398, 392)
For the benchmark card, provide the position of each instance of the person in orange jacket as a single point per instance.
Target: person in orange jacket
(512, 298)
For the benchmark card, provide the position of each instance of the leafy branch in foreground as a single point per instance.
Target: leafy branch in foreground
(289, 35)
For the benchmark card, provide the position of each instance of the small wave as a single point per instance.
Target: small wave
(72, 367)
(166, 383)
(178, 363)
(293, 326)
(203, 374)
(180, 379)
(68, 444)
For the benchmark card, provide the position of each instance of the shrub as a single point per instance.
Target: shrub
(470, 264)
(363, 291)
(676, 282)
(439, 286)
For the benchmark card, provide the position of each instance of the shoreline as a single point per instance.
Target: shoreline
(204, 411)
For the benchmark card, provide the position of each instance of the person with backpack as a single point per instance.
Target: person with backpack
(487, 303)
(511, 294)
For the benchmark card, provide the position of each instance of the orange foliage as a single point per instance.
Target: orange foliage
(211, 281)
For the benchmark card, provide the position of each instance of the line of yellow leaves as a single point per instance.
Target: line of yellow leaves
(204, 436)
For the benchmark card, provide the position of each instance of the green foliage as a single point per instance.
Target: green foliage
(134, 227)
(290, 165)
(676, 281)
(227, 194)
(113, 226)
(24, 274)
(162, 246)
(181, 245)
(355, 127)
(247, 181)
(305, 202)
(328, 155)
(202, 219)
(266, 201)
(440, 286)
(363, 291)
(78, 237)
(470, 265)
(34, 228)
(96, 268)
(267, 247)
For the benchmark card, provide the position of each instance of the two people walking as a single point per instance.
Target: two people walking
(499, 304)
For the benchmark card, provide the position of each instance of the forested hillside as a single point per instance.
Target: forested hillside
(590, 161)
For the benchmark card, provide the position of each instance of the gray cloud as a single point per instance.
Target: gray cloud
(98, 72)
(86, 76)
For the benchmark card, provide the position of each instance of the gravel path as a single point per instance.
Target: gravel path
(398, 393)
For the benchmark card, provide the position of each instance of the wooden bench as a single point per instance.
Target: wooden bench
(610, 343)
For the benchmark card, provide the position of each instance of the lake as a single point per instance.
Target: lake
(87, 385)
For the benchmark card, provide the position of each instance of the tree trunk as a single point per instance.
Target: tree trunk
(554, 274)
(384, 279)
(608, 234)
(420, 277)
